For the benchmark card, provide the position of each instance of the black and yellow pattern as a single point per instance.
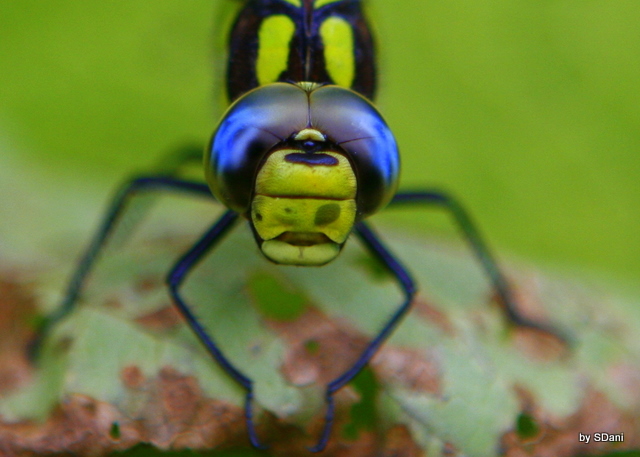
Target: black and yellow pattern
(321, 41)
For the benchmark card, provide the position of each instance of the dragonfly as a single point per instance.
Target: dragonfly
(303, 156)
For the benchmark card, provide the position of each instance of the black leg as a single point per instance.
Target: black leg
(177, 275)
(480, 249)
(113, 215)
(375, 246)
(175, 163)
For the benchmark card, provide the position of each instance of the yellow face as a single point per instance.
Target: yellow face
(304, 205)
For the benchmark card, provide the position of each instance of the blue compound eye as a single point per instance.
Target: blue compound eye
(253, 125)
(356, 126)
(273, 116)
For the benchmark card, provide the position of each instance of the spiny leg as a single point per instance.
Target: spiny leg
(109, 223)
(482, 252)
(375, 246)
(176, 277)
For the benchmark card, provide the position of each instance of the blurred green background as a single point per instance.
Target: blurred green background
(528, 111)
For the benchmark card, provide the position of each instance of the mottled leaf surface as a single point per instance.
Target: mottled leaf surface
(454, 379)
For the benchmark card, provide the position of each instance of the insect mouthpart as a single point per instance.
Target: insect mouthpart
(303, 239)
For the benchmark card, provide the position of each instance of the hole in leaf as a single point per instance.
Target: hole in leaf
(364, 413)
(114, 432)
(312, 346)
(274, 299)
(526, 426)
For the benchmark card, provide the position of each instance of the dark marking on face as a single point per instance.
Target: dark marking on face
(327, 214)
(312, 159)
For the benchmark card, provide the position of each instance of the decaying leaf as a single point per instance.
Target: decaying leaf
(453, 380)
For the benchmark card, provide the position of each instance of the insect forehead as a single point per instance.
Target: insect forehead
(310, 119)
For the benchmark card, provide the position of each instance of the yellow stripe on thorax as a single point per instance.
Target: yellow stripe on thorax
(320, 3)
(274, 37)
(337, 37)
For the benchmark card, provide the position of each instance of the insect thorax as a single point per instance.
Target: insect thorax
(322, 41)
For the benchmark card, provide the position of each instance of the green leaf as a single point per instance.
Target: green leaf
(452, 375)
